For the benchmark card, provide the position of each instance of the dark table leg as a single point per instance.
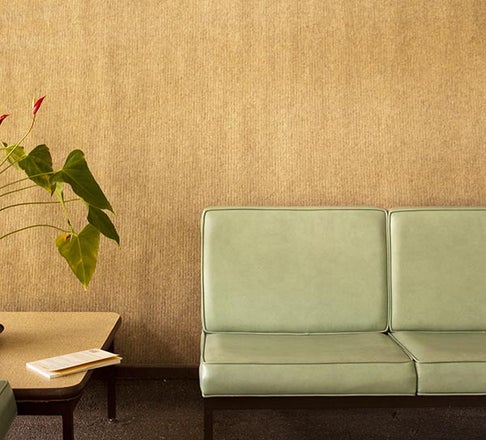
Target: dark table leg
(110, 378)
(111, 393)
(68, 423)
(63, 408)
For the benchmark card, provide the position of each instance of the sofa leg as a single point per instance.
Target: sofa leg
(208, 421)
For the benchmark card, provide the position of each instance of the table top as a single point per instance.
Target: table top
(30, 336)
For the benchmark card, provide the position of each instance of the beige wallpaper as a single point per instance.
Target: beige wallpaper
(182, 104)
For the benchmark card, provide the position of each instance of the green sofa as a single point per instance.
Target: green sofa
(8, 408)
(342, 307)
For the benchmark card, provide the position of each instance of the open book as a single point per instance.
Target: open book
(73, 363)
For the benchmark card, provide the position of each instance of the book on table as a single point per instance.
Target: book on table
(73, 363)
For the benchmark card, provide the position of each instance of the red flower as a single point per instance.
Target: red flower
(37, 105)
(2, 118)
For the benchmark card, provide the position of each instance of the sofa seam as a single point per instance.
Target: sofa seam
(312, 363)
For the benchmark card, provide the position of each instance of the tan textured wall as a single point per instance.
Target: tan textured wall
(181, 104)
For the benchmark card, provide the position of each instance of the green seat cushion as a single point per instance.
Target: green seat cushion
(294, 270)
(438, 276)
(298, 365)
(8, 407)
(447, 363)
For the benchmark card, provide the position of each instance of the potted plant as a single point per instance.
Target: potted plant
(79, 247)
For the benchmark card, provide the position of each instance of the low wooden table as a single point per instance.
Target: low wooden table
(29, 336)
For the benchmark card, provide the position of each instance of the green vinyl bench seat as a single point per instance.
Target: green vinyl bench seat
(8, 407)
(307, 365)
(342, 305)
(447, 363)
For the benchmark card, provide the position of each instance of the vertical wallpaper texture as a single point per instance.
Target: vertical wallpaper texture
(183, 104)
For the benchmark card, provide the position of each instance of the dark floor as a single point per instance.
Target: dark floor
(156, 409)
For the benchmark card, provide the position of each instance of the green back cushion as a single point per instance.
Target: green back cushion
(294, 270)
(438, 269)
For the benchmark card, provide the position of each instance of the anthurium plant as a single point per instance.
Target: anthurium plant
(78, 247)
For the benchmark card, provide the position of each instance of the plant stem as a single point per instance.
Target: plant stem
(18, 142)
(27, 178)
(28, 132)
(34, 226)
(35, 203)
(60, 197)
(18, 190)
(7, 167)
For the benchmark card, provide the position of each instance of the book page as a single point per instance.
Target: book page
(70, 360)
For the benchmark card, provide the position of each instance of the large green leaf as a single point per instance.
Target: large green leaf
(14, 153)
(81, 252)
(36, 164)
(102, 222)
(76, 173)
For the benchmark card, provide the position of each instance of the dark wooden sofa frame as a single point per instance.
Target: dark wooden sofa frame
(213, 404)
